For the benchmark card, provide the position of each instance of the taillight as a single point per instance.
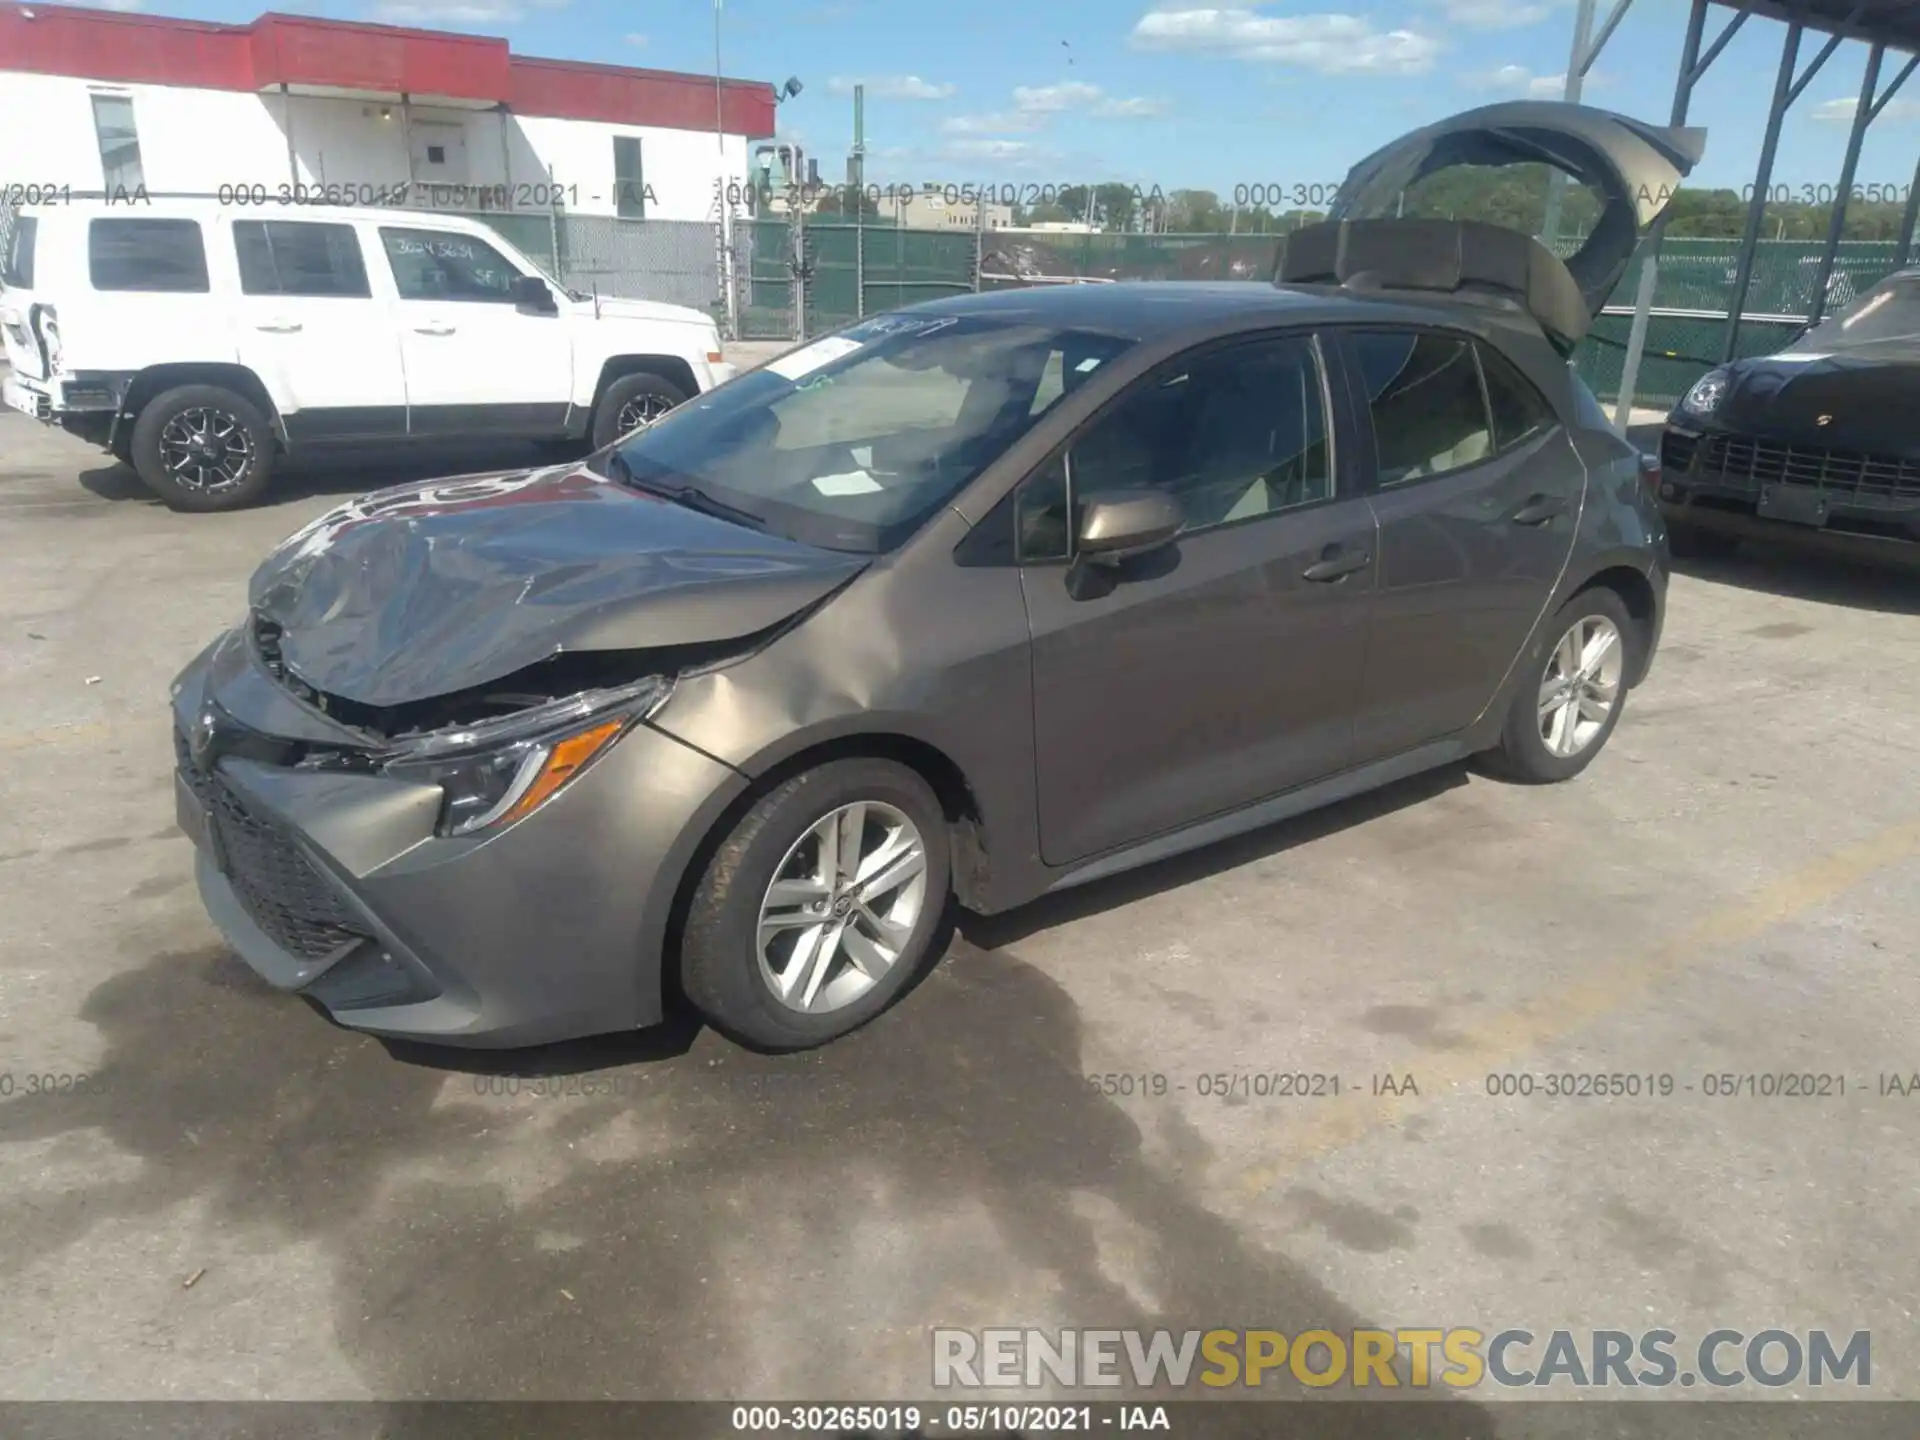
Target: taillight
(1650, 472)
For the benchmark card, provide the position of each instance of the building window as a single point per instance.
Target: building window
(152, 255)
(299, 257)
(119, 143)
(629, 185)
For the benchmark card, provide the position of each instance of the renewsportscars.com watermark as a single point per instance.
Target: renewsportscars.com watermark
(1458, 1358)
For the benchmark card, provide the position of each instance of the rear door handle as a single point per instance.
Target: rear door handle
(1539, 509)
(1335, 563)
(433, 327)
(279, 327)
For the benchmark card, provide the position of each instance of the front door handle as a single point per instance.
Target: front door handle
(279, 327)
(1335, 563)
(1539, 509)
(433, 327)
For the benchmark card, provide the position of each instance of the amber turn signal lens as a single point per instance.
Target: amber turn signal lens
(714, 357)
(563, 762)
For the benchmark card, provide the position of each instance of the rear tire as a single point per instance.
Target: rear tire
(632, 402)
(203, 448)
(744, 938)
(1693, 542)
(1555, 725)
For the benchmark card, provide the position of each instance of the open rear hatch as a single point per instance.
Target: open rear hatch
(1631, 170)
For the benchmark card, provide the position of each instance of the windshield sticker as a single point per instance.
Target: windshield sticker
(886, 326)
(809, 358)
(853, 482)
(1092, 362)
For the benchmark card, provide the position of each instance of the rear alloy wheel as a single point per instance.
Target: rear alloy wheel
(203, 448)
(819, 908)
(1567, 704)
(632, 403)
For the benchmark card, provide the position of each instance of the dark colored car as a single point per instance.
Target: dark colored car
(979, 599)
(1823, 436)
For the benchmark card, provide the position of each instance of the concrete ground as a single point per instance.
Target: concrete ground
(243, 1201)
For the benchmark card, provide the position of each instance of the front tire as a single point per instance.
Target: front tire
(819, 908)
(631, 403)
(203, 448)
(1570, 693)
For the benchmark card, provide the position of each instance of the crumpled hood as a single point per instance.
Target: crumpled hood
(429, 589)
(1866, 397)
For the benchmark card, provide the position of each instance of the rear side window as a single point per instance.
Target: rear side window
(150, 255)
(445, 265)
(1429, 413)
(18, 270)
(297, 257)
(1520, 412)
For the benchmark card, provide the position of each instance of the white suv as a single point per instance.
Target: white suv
(199, 342)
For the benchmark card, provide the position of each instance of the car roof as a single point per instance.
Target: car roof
(1149, 309)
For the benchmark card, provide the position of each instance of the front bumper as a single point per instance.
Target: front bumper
(334, 886)
(1750, 485)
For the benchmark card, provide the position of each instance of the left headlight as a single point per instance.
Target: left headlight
(501, 770)
(1707, 393)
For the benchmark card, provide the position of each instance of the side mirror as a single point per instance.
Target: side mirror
(532, 296)
(1120, 524)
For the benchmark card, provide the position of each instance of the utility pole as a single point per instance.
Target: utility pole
(729, 291)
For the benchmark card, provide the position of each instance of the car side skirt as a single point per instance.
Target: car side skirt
(1343, 786)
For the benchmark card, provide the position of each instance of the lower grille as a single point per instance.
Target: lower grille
(280, 889)
(1746, 464)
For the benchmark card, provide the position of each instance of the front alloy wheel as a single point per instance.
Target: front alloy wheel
(842, 906)
(818, 909)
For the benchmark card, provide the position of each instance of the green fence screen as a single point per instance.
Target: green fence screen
(863, 269)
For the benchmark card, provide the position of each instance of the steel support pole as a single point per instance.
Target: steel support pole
(1692, 66)
(1577, 62)
(1862, 117)
(406, 138)
(1904, 250)
(293, 155)
(1783, 92)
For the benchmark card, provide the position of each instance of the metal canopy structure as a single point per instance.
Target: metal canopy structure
(1882, 25)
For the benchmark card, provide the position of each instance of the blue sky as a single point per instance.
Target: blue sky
(1205, 93)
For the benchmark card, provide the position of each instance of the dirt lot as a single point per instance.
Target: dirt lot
(1730, 890)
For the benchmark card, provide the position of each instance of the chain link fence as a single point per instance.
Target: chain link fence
(788, 277)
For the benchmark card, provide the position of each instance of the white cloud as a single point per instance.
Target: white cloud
(987, 149)
(636, 39)
(1331, 44)
(1841, 111)
(1034, 106)
(1495, 14)
(892, 87)
(1048, 99)
(1134, 108)
(1520, 78)
(1006, 122)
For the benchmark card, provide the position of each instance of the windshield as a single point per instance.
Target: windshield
(1888, 314)
(853, 441)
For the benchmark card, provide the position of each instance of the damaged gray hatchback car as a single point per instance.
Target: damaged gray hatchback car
(975, 600)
